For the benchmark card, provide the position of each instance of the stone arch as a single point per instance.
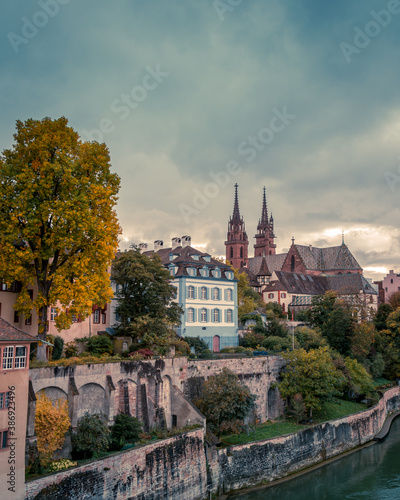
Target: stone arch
(92, 399)
(166, 400)
(126, 397)
(52, 392)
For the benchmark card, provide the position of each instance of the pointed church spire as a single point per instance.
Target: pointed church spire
(236, 212)
(264, 212)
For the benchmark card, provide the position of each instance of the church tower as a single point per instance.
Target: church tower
(237, 244)
(264, 244)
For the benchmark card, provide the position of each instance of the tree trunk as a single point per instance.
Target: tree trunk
(42, 351)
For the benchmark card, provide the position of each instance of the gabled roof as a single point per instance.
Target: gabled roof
(350, 283)
(327, 259)
(273, 263)
(9, 333)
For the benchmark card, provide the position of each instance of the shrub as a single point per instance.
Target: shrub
(206, 354)
(71, 350)
(126, 429)
(99, 345)
(198, 344)
(58, 348)
(145, 353)
(91, 437)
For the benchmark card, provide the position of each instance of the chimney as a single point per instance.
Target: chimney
(186, 241)
(176, 242)
(158, 244)
(142, 247)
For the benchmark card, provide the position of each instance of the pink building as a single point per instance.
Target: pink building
(391, 284)
(14, 383)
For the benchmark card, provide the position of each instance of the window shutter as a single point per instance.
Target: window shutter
(194, 315)
(226, 294)
(206, 315)
(195, 292)
(207, 297)
(226, 316)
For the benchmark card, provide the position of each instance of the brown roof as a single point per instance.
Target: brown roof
(10, 333)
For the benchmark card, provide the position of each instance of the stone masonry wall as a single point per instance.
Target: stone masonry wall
(264, 461)
(172, 468)
(258, 374)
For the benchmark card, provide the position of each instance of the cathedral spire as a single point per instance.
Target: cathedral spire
(236, 212)
(264, 212)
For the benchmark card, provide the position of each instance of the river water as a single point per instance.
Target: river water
(372, 473)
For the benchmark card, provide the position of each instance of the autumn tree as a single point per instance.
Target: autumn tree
(312, 375)
(51, 425)
(225, 402)
(248, 299)
(394, 300)
(59, 227)
(145, 297)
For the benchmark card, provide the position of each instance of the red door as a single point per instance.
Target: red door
(216, 343)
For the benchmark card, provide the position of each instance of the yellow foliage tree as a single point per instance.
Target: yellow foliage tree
(59, 227)
(51, 424)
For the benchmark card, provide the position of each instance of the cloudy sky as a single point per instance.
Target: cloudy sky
(192, 96)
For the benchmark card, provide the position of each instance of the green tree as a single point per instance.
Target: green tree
(312, 375)
(308, 338)
(358, 380)
(274, 309)
(362, 340)
(381, 316)
(145, 295)
(91, 437)
(224, 401)
(126, 429)
(58, 348)
(59, 227)
(196, 342)
(276, 329)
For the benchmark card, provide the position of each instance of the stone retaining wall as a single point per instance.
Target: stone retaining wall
(174, 468)
(251, 464)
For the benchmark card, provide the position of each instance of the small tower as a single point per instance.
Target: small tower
(237, 244)
(264, 244)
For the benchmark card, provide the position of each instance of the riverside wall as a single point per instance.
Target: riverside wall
(237, 467)
(173, 468)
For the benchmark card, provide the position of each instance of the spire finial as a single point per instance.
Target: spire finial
(292, 240)
(342, 237)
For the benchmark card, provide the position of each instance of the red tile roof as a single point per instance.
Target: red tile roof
(10, 333)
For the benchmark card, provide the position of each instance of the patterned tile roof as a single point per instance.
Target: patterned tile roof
(326, 259)
(10, 333)
(273, 263)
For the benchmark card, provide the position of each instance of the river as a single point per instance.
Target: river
(372, 473)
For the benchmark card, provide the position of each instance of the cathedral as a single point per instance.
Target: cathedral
(300, 273)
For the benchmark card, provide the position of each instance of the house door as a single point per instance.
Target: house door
(216, 343)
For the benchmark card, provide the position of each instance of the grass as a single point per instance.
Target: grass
(381, 381)
(331, 410)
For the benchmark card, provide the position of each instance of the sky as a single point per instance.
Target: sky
(193, 96)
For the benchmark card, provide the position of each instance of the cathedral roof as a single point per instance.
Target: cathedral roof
(327, 259)
(273, 263)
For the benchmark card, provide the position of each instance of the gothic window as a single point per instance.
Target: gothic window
(241, 252)
(292, 264)
(231, 252)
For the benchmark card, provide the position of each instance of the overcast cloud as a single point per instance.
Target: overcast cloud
(216, 75)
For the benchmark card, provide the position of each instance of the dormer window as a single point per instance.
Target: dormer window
(195, 256)
(229, 275)
(204, 272)
(207, 258)
(217, 273)
(171, 256)
(191, 271)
